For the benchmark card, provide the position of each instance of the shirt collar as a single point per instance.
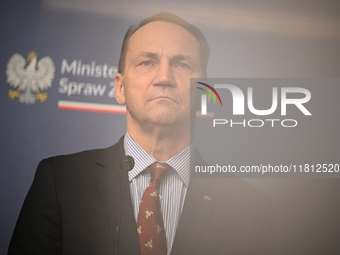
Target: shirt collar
(180, 162)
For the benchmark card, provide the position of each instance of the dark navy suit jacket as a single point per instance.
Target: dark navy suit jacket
(73, 204)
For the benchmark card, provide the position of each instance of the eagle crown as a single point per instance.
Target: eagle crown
(31, 55)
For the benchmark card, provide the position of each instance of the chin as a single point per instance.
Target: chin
(171, 120)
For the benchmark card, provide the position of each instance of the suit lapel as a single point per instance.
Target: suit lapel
(197, 211)
(109, 178)
(195, 218)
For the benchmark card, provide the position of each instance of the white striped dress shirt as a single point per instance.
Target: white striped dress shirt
(172, 189)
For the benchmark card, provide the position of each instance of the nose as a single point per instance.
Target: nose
(164, 75)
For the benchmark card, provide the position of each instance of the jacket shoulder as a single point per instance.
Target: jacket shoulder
(84, 159)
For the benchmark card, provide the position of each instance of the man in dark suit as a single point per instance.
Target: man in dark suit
(73, 205)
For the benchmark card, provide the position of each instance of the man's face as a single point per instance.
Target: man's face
(161, 59)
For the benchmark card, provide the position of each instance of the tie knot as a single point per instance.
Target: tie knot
(159, 170)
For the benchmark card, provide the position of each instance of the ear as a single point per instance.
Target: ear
(119, 88)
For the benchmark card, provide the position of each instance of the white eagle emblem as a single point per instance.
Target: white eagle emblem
(31, 80)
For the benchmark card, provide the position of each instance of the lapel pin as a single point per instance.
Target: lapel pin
(207, 198)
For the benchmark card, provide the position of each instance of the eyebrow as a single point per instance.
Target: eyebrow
(153, 55)
(182, 57)
(147, 54)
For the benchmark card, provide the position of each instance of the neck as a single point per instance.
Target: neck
(161, 142)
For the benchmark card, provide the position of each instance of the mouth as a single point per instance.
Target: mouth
(163, 97)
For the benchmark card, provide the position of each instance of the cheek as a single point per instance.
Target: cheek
(132, 95)
(136, 93)
(187, 96)
(186, 89)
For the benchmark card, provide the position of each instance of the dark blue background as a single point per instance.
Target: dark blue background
(308, 209)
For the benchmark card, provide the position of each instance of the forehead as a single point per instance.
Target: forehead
(163, 38)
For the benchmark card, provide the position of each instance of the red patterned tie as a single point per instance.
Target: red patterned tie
(150, 226)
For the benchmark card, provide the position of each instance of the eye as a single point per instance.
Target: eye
(145, 63)
(183, 65)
